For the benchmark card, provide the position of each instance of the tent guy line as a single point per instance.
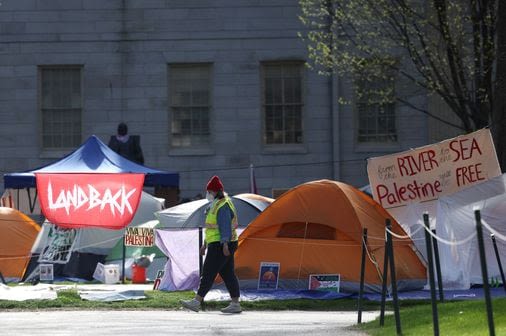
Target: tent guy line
(442, 240)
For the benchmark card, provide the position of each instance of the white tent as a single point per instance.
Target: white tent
(454, 220)
(192, 214)
(456, 223)
(97, 242)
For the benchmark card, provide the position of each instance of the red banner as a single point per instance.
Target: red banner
(107, 201)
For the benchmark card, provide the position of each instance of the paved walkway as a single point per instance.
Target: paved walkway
(144, 323)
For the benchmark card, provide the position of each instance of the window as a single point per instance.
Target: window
(375, 95)
(282, 103)
(61, 106)
(190, 104)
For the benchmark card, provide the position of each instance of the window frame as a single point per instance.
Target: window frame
(193, 149)
(283, 147)
(375, 145)
(56, 152)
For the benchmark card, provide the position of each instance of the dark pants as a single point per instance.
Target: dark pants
(216, 263)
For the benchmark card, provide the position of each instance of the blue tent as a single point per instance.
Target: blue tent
(93, 157)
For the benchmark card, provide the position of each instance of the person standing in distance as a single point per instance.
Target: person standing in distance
(221, 244)
(126, 145)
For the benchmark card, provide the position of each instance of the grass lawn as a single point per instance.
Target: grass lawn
(69, 299)
(459, 318)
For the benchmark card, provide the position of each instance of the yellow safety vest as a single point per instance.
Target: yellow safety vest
(212, 231)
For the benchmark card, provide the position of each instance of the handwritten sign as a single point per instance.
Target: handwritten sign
(136, 236)
(426, 173)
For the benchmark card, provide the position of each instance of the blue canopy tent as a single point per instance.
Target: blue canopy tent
(93, 156)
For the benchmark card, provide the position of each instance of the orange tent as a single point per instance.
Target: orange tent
(17, 235)
(316, 228)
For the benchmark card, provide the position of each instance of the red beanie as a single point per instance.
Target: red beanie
(214, 184)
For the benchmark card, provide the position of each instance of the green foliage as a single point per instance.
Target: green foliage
(445, 47)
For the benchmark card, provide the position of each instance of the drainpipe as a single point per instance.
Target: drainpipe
(123, 58)
(334, 93)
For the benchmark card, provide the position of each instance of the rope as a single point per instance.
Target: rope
(373, 260)
(447, 242)
(494, 232)
(396, 235)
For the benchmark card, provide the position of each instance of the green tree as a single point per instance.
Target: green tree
(445, 47)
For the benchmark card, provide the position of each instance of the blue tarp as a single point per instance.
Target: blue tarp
(93, 157)
(258, 295)
(462, 294)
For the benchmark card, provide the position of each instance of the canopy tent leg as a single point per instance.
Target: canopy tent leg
(32, 204)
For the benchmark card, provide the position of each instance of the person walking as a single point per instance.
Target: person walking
(221, 244)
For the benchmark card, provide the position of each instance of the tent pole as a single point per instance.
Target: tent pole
(430, 261)
(498, 261)
(362, 276)
(484, 273)
(438, 268)
(123, 276)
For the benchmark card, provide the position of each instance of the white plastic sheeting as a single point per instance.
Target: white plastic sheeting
(182, 248)
(453, 218)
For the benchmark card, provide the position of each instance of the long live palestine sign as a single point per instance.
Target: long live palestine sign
(426, 173)
(135, 236)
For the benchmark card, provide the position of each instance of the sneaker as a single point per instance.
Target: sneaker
(192, 304)
(232, 308)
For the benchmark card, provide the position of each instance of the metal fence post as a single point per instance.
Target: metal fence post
(438, 268)
(430, 261)
(393, 278)
(484, 273)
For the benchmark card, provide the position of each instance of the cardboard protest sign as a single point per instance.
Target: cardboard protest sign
(428, 172)
(138, 236)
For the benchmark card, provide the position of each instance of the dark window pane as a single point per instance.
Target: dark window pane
(190, 104)
(376, 112)
(283, 103)
(61, 100)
